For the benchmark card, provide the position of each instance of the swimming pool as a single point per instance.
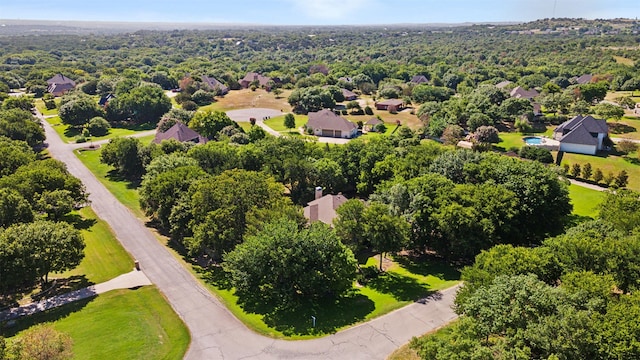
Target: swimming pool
(533, 140)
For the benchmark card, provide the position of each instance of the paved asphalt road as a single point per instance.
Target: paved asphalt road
(215, 332)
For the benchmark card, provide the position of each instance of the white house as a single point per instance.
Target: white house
(582, 135)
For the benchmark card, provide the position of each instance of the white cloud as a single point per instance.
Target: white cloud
(330, 9)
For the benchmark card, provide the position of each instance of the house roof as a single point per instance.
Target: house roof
(104, 99)
(348, 94)
(180, 132)
(60, 88)
(521, 93)
(419, 79)
(213, 83)
(252, 76)
(579, 135)
(61, 79)
(584, 79)
(373, 121)
(391, 102)
(327, 119)
(324, 209)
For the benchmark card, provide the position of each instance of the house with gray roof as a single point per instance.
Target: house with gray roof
(60, 85)
(327, 123)
(582, 135)
(213, 84)
(323, 208)
(349, 95)
(584, 79)
(261, 80)
(390, 105)
(520, 93)
(503, 84)
(419, 79)
(180, 132)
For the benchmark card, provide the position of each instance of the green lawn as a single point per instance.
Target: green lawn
(39, 103)
(627, 127)
(246, 126)
(403, 282)
(123, 190)
(277, 123)
(608, 164)
(104, 257)
(585, 201)
(70, 135)
(514, 139)
(120, 324)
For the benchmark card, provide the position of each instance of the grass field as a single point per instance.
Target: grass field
(70, 135)
(403, 283)
(121, 324)
(123, 190)
(39, 103)
(277, 123)
(608, 164)
(624, 61)
(515, 139)
(627, 128)
(242, 99)
(104, 257)
(585, 201)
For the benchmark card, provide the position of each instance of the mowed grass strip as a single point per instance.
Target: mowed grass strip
(70, 135)
(585, 201)
(120, 324)
(104, 257)
(277, 123)
(607, 164)
(122, 189)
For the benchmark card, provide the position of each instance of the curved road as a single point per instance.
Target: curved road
(215, 332)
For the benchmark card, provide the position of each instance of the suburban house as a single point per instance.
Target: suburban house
(349, 95)
(520, 93)
(390, 105)
(60, 85)
(327, 123)
(584, 79)
(419, 79)
(371, 124)
(213, 83)
(104, 99)
(261, 80)
(582, 135)
(323, 208)
(180, 132)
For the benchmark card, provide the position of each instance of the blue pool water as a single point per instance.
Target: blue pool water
(533, 140)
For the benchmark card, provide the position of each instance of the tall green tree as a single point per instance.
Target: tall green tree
(209, 123)
(387, 233)
(287, 266)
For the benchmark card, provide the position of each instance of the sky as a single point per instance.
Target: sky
(316, 12)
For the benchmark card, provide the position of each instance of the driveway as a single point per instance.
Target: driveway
(215, 332)
(243, 115)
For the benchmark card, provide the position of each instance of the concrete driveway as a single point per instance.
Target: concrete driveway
(215, 332)
(243, 115)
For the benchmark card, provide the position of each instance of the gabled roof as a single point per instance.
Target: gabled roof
(324, 209)
(419, 79)
(521, 93)
(180, 132)
(327, 119)
(591, 124)
(579, 135)
(348, 94)
(391, 102)
(373, 121)
(61, 79)
(60, 88)
(584, 79)
(213, 83)
(252, 76)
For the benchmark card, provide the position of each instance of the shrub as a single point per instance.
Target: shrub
(381, 128)
(368, 110)
(536, 153)
(487, 134)
(189, 105)
(98, 126)
(575, 170)
(597, 175)
(626, 146)
(586, 171)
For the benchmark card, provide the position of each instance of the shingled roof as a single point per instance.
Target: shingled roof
(213, 83)
(61, 79)
(327, 119)
(180, 132)
(324, 209)
(521, 93)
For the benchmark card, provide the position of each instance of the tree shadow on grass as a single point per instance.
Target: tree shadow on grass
(79, 222)
(619, 128)
(114, 175)
(426, 265)
(402, 288)
(23, 323)
(72, 132)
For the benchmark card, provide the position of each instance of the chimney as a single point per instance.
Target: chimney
(313, 213)
(318, 192)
